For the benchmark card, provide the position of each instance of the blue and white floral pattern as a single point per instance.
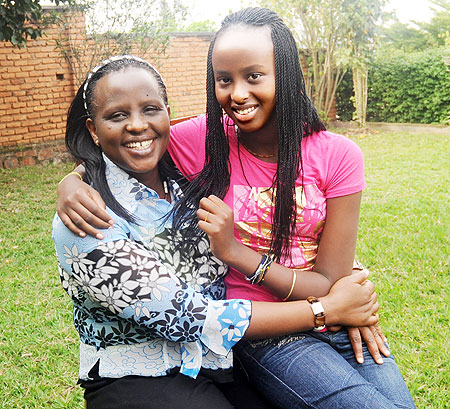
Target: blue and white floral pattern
(141, 306)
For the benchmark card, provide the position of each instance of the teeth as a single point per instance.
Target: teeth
(139, 145)
(245, 111)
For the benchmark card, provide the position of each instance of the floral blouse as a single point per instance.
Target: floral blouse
(140, 306)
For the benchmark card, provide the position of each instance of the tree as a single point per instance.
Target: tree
(361, 17)
(316, 25)
(334, 34)
(439, 26)
(116, 27)
(201, 26)
(22, 19)
(404, 37)
(424, 34)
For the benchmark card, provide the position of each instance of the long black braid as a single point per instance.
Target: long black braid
(296, 118)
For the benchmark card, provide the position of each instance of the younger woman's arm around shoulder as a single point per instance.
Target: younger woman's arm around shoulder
(80, 207)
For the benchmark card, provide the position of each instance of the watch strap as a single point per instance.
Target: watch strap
(319, 314)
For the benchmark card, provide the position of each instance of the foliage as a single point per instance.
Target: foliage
(344, 98)
(116, 27)
(317, 27)
(403, 239)
(409, 82)
(200, 26)
(439, 26)
(362, 17)
(403, 37)
(424, 35)
(334, 34)
(22, 19)
(410, 87)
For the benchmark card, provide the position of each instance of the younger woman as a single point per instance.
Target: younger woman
(295, 191)
(154, 329)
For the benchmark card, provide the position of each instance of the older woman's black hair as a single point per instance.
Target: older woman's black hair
(296, 118)
(78, 139)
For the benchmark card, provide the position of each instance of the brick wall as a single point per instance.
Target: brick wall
(35, 87)
(184, 72)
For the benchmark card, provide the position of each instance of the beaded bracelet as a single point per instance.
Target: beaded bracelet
(265, 269)
(258, 276)
(71, 173)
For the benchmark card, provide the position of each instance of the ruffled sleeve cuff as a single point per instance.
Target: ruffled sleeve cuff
(225, 324)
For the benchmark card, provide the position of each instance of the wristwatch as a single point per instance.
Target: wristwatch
(319, 314)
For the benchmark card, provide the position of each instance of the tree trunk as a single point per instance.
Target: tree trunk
(360, 75)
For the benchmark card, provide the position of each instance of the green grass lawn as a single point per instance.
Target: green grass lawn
(404, 240)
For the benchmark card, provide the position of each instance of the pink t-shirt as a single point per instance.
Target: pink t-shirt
(333, 166)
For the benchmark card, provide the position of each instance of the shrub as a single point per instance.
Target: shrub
(411, 88)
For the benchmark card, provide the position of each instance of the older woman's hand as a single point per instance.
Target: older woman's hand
(374, 339)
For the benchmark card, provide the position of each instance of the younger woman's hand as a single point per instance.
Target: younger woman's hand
(352, 301)
(216, 219)
(80, 207)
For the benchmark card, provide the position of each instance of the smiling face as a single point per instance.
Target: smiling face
(244, 73)
(131, 122)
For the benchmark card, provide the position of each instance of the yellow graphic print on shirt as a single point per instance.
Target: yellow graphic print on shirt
(253, 221)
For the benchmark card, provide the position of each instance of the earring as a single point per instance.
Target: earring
(97, 142)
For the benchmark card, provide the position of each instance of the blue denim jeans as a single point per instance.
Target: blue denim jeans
(319, 370)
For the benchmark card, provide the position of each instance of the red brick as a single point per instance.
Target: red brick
(10, 100)
(47, 99)
(13, 56)
(22, 74)
(35, 128)
(29, 161)
(30, 152)
(45, 153)
(10, 163)
(27, 68)
(13, 69)
(19, 105)
(8, 132)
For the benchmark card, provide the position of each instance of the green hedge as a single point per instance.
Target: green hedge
(411, 88)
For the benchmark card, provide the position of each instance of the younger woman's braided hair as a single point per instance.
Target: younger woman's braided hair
(296, 118)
